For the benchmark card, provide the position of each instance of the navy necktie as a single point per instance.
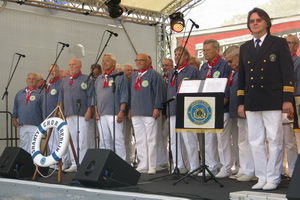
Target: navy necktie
(257, 47)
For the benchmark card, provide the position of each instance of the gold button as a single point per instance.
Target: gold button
(248, 62)
(291, 82)
(262, 69)
(251, 70)
(262, 86)
(265, 61)
(261, 78)
(252, 86)
(251, 78)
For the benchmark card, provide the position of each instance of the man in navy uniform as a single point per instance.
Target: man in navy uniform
(105, 106)
(246, 162)
(50, 99)
(217, 146)
(186, 140)
(145, 106)
(265, 91)
(27, 112)
(77, 95)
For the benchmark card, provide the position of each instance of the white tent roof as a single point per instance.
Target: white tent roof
(138, 11)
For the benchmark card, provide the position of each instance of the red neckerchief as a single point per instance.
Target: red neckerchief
(74, 76)
(211, 65)
(50, 83)
(293, 54)
(178, 70)
(137, 85)
(230, 77)
(105, 82)
(28, 92)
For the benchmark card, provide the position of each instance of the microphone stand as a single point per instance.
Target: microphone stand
(176, 170)
(114, 114)
(202, 167)
(78, 107)
(5, 94)
(45, 83)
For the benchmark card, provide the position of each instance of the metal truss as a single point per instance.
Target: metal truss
(98, 8)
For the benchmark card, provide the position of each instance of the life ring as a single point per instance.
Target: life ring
(64, 136)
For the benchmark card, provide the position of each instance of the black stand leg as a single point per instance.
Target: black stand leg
(202, 167)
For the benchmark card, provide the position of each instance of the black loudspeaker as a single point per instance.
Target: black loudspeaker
(104, 168)
(293, 192)
(15, 162)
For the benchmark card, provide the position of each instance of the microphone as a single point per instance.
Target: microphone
(116, 74)
(78, 104)
(65, 44)
(115, 34)
(196, 25)
(169, 100)
(21, 55)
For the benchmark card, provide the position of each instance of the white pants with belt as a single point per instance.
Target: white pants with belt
(145, 129)
(219, 145)
(105, 126)
(262, 126)
(245, 153)
(187, 140)
(26, 133)
(83, 136)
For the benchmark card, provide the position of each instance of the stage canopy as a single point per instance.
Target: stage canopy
(137, 11)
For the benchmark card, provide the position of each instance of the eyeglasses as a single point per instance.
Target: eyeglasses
(139, 60)
(230, 61)
(289, 42)
(252, 21)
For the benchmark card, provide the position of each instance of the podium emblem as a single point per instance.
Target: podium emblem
(199, 112)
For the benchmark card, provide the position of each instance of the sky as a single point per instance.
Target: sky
(212, 13)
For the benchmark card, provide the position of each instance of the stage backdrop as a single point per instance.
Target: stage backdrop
(35, 32)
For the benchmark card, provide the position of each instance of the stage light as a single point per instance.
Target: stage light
(177, 22)
(114, 9)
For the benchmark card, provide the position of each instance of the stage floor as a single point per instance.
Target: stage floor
(161, 188)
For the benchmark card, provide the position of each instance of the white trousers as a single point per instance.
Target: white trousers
(290, 144)
(161, 145)
(218, 148)
(105, 126)
(26, 134)
(83, 131)
(187, 140)
(245, 154)
(262, 126)
(234, 142)
(145, 129)
(129, 140)
(53, 144)
(92, 133)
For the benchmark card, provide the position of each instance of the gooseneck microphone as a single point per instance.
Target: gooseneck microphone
(115, 34)
(196, 25)
(22, 55)
(116, 74)
(64, 44)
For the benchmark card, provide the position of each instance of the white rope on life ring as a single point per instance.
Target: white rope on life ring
(64, 136)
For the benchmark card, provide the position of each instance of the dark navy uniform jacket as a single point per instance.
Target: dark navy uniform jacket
(266, 79)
